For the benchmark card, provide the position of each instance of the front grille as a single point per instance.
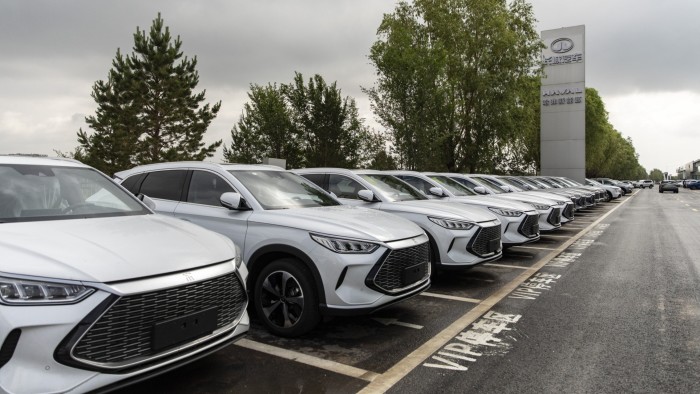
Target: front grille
(590, 200)
(125, 331)
(390, 277)
(484, 244)
(581, 202)
(568, 211)
(530, 226)
(554, 217)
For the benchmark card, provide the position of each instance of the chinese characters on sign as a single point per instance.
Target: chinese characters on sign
(551, 97)
(564, 59)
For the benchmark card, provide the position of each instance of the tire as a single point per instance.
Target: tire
(661, 191)
(608, 195)
(675, 191)
(285, 298)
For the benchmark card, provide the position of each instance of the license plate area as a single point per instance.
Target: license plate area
(414, 273)
(184, 328)
(494, 245)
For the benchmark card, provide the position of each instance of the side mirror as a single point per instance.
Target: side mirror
(366, 195)
(233, 201)
(332, 194)
(437, 191)
(480, 190)
(147, 201)
(506, 188)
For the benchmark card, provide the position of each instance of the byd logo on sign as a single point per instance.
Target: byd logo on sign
(561, 45)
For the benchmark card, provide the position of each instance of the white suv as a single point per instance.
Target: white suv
(96, 290)
(519, 221)
(646, 183)
(460, 236)
(307, 254)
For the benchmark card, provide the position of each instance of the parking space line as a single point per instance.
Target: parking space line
(533, 247)
(505, 265)
(393, 375)
(451, 297)
(556, 236)
(328, 365)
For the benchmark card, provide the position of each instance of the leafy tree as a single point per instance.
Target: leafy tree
(308, 124)
(264, 130)
(656, 175)
(147, 109)
(455, 83)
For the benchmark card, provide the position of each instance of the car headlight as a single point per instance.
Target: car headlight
(452, 224)
(29, 292)
(238, 259)
(540, 207)
(341, 245)
(513, 213)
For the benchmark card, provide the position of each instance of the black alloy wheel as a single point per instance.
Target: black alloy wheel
(285, 298)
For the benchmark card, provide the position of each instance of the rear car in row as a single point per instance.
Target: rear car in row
(460, 236)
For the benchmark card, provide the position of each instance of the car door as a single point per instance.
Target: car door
(164, 187)
(346, 189)
(201, 206)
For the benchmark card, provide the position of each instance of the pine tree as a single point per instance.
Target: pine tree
(147, 110)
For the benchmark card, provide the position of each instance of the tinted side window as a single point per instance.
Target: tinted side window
(344, 187)
(206, 188)
(421, 185)
(318, 179)
(132, 183)
(166, 185)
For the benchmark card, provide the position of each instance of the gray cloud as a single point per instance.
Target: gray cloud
(54, 51)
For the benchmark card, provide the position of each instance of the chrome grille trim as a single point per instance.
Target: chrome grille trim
(568, 211)
(84, 352)
(479, 242)
(530, 226)
(386, 275)
(554, 217)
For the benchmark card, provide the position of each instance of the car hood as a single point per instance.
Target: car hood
(493, 201)
(443, 209)
(528, 198)
(108, 249)
(343, 221)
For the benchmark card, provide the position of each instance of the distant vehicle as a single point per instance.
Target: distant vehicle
(668, 186)
(694, 184)
(646, 183)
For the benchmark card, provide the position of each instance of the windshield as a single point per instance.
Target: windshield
(515, 186)
(452, 186)
(392, 188)
(489, 184)
(534, 183)
(282, 190)
(43, 192)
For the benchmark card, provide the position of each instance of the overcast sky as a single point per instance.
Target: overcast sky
(641, 55)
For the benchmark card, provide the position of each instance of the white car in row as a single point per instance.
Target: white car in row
(308, 255)
(96, 290)
(460, 236)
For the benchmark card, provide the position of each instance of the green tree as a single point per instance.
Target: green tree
(308, 124)
(455, 82)
(147, 109)
(265, 129)
(656, 175)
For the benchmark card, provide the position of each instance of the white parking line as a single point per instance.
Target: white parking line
(505, 265)
(533, 247)
(328, 365)
(451, 297)
(556, 236)
(388, 379)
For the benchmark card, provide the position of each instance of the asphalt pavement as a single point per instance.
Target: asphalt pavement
(609, 303)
